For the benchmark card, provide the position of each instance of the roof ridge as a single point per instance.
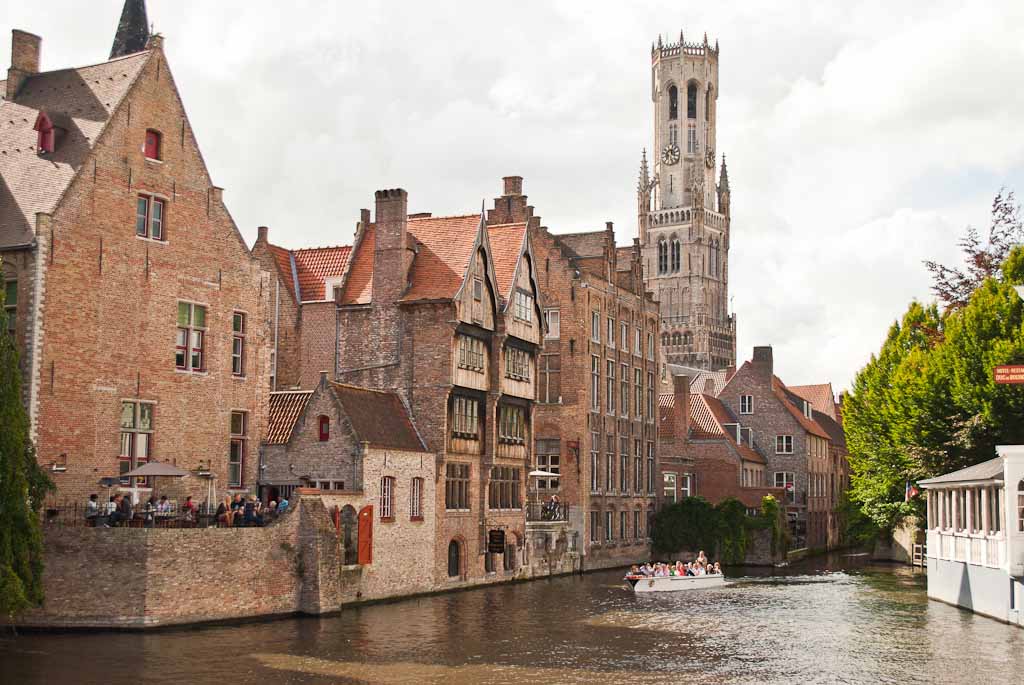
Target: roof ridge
(303, 249)
(290, 392)
(450, 216)
(90, 66)
(359, 387)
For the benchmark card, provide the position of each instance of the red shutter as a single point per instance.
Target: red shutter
(366, 535)
(325, 429)
(152, 145)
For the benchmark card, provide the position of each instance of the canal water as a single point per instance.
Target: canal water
(833, 620)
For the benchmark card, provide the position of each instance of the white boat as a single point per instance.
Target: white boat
(674, 583)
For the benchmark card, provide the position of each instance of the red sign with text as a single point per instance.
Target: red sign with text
(1011, 374)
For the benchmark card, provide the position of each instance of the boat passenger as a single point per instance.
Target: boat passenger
(718, 568)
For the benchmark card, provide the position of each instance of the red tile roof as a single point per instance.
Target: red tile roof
(506, 246)
(285, 410)
(445, 247)
(85, 98)
(315, 265)
(708, 417)
(284, 262)
(820, 396)
(378, 417)
(791, 402)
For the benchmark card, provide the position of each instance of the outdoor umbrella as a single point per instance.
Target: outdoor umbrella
(155, 469)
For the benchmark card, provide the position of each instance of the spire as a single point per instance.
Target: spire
(132, 31)
(645, 174)
(723, 182)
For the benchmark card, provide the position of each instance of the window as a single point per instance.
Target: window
(188, 353)
(324, 426)
(136, 438)
(594, 520)
(623, 525)
(638, 467)
(609, 465)
(549, 461)
(624, 336)
(416, 499)
(673, 102)
(691, 139)
(524, 306)
(152, 147)
(387, 498)
(610, 338)
(489, 562)
(624, 390)
(510, 558)
(512, 424)
(595, 326)
(238, 344)
(669, 487)
(595, 468)
(650, 396)
(11, 304)
(478, 298)
(783, 444)
(691, 101)
(149, 217)
(623, 465)
(686, 485)
(638, 533)
(609, 523)
(236, 457)
(785, 480)
(517, 364)
(504, 488)
(471, 353)
(638, 393)
(595, 383)
(454, 559)
(650, 346)
(676, 255)
(662, 256)
(466, 419)
(456, 486)
(611, 386)
(552, 324)
(549, 390)
(746, 404)
(650, 468)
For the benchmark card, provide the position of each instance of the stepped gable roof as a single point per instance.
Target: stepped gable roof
(623, 258)
(378, 417)
(986, 470)
(793, 402)
(820, 396)
(506, 245)
(285, 409)
(589, 244)
(82, 99)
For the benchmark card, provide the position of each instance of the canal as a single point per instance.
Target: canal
(828, 620)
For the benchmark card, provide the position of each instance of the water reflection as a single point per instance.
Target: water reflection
(832, 620)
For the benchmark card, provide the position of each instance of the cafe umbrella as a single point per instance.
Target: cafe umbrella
(155, 469)
(535, 505)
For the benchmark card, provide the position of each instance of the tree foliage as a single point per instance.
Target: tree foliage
(983, 260)
(23, 485)
(927, 404)
(724, 530)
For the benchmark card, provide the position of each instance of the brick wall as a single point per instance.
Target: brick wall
(282, 305)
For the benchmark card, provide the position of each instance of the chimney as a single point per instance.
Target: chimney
(511, 207)
(763, 359)
(261, 234)
(513, 185)
(392, 257)
(681, 409)
(25, 48)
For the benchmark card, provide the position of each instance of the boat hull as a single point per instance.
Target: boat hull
(675, 583)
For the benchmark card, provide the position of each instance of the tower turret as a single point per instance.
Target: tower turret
(132, 31)
(723, 191)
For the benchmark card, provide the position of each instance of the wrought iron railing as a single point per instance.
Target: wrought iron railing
(547, 511)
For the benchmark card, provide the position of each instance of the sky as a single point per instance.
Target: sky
(862, 137)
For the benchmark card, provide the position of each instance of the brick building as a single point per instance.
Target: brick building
(596, 420)
(302, 309)
(139, 312)
(705, 451)
(446, 312)
(792, 435)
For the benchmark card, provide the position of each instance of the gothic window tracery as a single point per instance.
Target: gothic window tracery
(673, 102)
(676, 254)
(691, 101)
(662, 256)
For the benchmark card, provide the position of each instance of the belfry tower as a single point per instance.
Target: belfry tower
(683, 214)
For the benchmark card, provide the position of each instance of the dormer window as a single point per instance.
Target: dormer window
(152, 147)
(47, 138)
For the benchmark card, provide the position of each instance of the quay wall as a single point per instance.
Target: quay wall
(983, 590)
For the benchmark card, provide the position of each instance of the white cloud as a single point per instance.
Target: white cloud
(861, 137)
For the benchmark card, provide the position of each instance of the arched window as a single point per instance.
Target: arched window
(152, 147)
(676, 255)
(387, 498)
(676, 340)
(324, 423)
(691, 101)
(454, 559)
(673, 102)
(662, 256)
(664, 339)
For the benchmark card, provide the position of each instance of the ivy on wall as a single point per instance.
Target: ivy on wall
(724, 529)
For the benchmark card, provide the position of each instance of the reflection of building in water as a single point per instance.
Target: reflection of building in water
(976, 536)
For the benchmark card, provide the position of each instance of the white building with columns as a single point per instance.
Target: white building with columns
(976, 536)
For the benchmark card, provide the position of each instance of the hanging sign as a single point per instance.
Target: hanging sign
(496, 541)
(1009, 374)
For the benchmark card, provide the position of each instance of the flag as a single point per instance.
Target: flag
(910, 492)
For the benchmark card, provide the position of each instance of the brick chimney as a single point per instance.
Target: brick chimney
(392, 256)
(25, 49)
(261, 234)
(511, 207)
(681, 409)
(762, 360)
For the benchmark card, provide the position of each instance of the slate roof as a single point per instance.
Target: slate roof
(285, 410)
(85, 98)
(820, 396)
(986, 470)
(378, 417)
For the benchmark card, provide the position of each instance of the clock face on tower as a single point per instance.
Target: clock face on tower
(670, 155)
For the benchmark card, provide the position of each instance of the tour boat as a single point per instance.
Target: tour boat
(674, 583)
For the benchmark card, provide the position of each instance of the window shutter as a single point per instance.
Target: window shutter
(365, 535)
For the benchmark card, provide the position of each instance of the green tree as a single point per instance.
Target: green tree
(23, 485)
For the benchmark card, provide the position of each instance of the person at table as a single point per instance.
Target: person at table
(149, 510)
(188, 509)
(250, 517)
(282, 506)
(224, 513)
(163, 507)
(92, 509)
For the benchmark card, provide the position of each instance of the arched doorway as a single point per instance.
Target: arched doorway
(454, 559)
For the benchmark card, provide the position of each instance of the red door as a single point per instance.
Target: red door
(365, 535)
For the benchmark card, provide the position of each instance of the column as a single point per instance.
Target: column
(985, 524)
(969, 519)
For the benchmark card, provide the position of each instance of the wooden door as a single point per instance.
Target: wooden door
(365, 535)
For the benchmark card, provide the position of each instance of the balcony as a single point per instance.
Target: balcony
(546, 512)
